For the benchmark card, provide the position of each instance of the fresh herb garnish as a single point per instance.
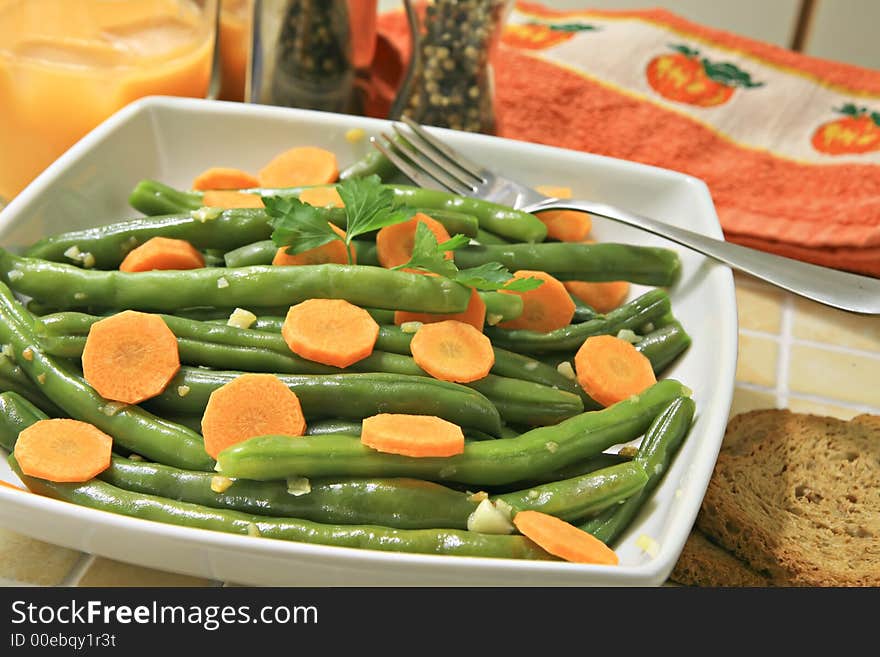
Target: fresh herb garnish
(370, 206)
(300, 227)
(428, 255)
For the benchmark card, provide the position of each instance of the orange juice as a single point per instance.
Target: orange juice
(235, 34)
(66, 65)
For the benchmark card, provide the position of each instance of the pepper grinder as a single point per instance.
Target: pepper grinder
(449, 82)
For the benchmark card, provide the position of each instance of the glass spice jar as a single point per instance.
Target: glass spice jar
(449, 82)
(302, 54)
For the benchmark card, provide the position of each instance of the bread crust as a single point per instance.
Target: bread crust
(702, 563)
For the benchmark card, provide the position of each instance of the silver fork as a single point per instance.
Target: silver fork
(429, 162)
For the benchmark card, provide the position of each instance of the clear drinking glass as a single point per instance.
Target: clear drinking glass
(66, 65)
(449, 82)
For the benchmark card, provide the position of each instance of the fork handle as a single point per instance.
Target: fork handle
(851, 292)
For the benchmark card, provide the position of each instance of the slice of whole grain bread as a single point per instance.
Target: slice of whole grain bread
(702, 563)
(797, 497)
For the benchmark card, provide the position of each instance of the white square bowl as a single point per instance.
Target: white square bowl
(172, 140)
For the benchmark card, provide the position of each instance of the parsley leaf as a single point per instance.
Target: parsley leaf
(297, 225)
(427, 254)
(430, 256)
(369, 206)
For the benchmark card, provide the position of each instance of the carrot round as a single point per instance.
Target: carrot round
(304, 165)
(162, 253)
(562, 539)
(322, 197)
(224, 178)
(394, 244)
(474, 314)
(330, 331)
(63, 450)
(564, 225)
(250, 405)
(610, 369)
(602, 297)
(412, 435)
(331, 252)
(225, 199)
(452, 351)
(545, 308)
(130, 357)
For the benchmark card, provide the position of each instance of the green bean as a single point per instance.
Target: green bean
(373, 163)
(647, 265)
(483, 463)
(664, 345)
(106, 497)
(131, 427)
(501, 307)
(582, 312)
(499, 219)
(485, 237)
(109, 244)
(352, 396)
(526, 392)
(16, 415)
(13, 379)
(658, 448)
(154, 198)
(70, 287)
(256, 253)
(645, 308)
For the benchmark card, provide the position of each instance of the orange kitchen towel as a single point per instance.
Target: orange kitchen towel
(789, 145)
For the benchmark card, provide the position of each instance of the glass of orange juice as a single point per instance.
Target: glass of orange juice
(66, 65)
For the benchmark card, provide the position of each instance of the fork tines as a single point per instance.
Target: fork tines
(427, 161)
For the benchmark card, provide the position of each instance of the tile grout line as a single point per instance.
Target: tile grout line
(79, 569)
(818, 399)
(816, 344)
(783, 362)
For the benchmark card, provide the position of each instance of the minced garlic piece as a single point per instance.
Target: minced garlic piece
(492, 318)
(410, 327)
(41, 378)
(241, 318)
(73, 253)
(222, 283)
(551, 446)
(220, 484)
(297, 486)
(15, 275)
(135, 457)
(80, 296)
(182, 391)
(487, 518)
(88, 260)
(478, 496)
(27, 353)
(354, 135)
(648, 545)
(6, 350)
(566, 370)
(205, 213)
(628, 335)
(253, 530)
(628, 451)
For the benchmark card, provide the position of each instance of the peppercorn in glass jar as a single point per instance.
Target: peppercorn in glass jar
(449, 81)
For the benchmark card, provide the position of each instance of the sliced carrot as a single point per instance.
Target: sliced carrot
(63, 450)
(412, 435)
(602, 297)
(248, 406)
(564, 225)
(322, 197)
(546, 308)
(610, 369)
(564, 540)
(130, 357)
(330, 331)
(394, 244)
(224, 178)
(162, 253)
(475, 314)
(331, 252)
(304, 165)
(227, 199)
(452, 351)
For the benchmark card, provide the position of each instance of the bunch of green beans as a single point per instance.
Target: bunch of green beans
(534, 439)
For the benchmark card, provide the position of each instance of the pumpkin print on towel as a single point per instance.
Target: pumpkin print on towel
(685, 77)
(539, 36)
(857, 131)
